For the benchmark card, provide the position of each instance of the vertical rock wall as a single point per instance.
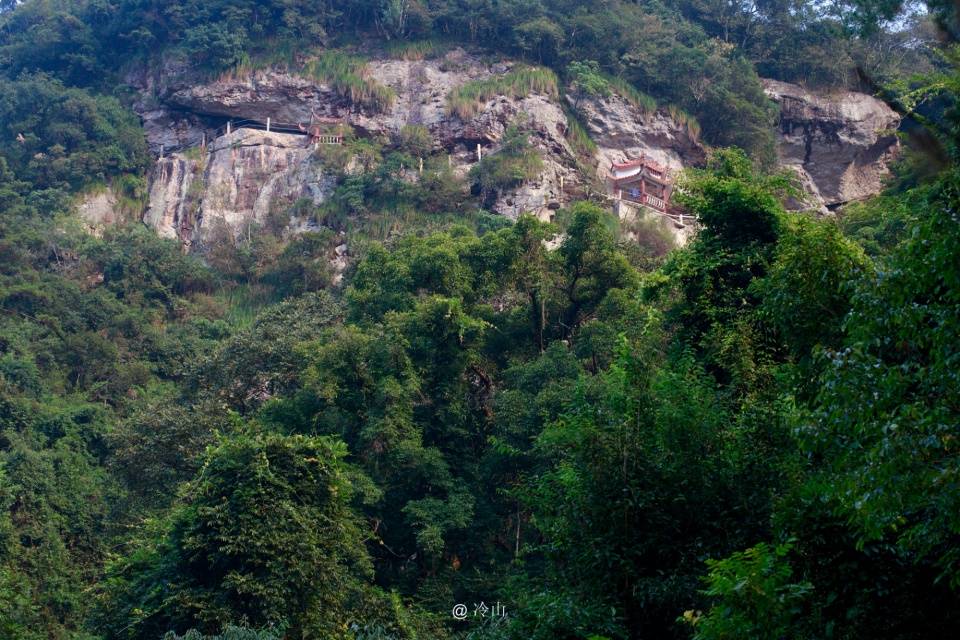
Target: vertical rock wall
(240, 179)
(175, 191)
(839, 145)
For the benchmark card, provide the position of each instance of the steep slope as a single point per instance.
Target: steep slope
(839, 146)
(245, 174)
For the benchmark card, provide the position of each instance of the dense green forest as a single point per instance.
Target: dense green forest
(754, 437)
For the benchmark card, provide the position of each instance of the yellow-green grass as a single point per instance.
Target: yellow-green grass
(633, 95)
(347, 75)
(415, 49)
(274, 54)
(685, 120)
(467, 99)
(648, 105)
(578, 137)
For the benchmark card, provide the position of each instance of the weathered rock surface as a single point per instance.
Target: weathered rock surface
(98, 210)
(249, 172)
(281, 96)
(244, 177)
(840, 145)
(168, 131)
(547, 124)
(623, 132)
(421, 88)
(175, 191)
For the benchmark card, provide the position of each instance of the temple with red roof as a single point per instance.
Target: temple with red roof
(643, 181)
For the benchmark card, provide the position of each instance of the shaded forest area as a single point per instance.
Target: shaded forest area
(755, 436)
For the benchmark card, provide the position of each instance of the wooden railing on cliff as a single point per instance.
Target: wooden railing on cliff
(269, 126)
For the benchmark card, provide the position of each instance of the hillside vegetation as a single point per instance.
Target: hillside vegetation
(577, 438)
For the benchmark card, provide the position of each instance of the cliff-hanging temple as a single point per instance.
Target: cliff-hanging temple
(642, 181)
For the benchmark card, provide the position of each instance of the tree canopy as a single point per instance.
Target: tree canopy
(751, 436)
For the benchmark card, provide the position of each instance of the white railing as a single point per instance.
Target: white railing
(655, 202)
(268, 126)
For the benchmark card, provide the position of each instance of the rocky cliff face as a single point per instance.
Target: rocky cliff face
(175, 190)
(99, 210)
(839, 145)
(623, 131)
(179, 112)
(240, 179)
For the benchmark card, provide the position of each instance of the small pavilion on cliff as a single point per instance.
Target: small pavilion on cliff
(643, 181)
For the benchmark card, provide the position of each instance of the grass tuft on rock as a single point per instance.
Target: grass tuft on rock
(348, 76)
(466, 100)
(633, 95)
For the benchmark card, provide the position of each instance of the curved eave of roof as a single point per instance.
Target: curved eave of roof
(638, 177)
(639, 162)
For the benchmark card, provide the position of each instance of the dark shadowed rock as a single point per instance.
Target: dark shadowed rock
(840, 145)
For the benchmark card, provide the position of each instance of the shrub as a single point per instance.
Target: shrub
(586, 79)
(414, 139)
(215, 45)
(511, 166)
(757, 596)
(62, 137)
(230, 632)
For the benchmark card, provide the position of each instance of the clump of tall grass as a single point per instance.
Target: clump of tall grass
(197, 154)
(577, 135)
(685, 120)
(416, 49)
(465, 101)
(241, 70)
(243, 303)
(348, 76)
(633, 95)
